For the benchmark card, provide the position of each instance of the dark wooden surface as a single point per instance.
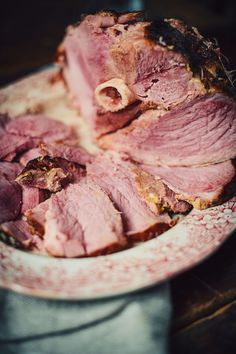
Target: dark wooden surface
(204, 298)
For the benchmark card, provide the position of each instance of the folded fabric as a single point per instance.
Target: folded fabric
(132, 324)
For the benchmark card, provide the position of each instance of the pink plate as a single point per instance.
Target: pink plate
(196, 237)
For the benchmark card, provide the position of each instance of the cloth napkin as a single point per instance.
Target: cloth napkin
(132, 324)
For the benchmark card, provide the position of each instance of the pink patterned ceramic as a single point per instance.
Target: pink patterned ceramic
(193, 239)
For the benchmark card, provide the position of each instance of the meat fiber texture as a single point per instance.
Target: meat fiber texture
(93, 222)
(117, 66)
(202, 186)
(115, 204)
(158, 97)
(10, 192)
(125, 185)
(197, 133)
(185, 117)
(113, 47)
(24, 188)
(58, 201)
(78, 221)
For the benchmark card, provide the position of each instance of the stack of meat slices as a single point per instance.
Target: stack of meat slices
(159, 93)
(161, 104)
(58, 199)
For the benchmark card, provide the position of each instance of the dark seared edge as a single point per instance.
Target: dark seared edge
(203, 55)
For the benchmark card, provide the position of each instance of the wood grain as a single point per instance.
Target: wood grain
(214, 334)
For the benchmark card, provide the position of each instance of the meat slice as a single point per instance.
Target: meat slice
(31, 197)
(10, 199)
(201, 186)
(106, 122)
(121, 181)
(36, 218)
(157, 193)
(23, 133)
(10, 169)
(11, 145)
(19, 230)
(50, 173)
(81, 220)
(10, 192)
(71, 152)
(41, 127)
(197, 133)
(162, 63)
(13, 197)
(31, 155)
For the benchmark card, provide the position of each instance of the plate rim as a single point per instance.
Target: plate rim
(50, 294)
(43, 74)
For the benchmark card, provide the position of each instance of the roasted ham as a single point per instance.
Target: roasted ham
(158, 64)
(122, 181)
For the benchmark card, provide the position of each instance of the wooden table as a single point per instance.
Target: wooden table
(204, 299)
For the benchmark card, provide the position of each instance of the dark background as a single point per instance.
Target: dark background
(204, 299)
(31, 30)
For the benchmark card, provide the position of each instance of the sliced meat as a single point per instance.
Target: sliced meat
(14, 198)
(10, 192)
(163, 62)
(70, 152)
(201, 186)
(120, 180)
(81, 220)
(31, 197)
(196, 133)
(111, 121)
(157, 193)
(41, 127)
(19, 230)
(10, 169)
(50, 173)
(21, 134)
(11, 145)
(10, 199)
(31, 155)
(36, 218)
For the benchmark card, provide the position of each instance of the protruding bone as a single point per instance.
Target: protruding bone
(114, 95)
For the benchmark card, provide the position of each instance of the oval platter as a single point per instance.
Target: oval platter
(196, 237)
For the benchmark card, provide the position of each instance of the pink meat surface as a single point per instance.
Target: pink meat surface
(118, 179)
(201, 186)
(197, 133)
(81, 220)
(31, 197)
(11, 145)
(19, 230)
(163, 63)
(71, 152)
(10, 192)
(41, 127)
(31, 155)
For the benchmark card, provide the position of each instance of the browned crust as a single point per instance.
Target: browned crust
(204, 56)
(225, 194)
(151, 232)
(35, 227)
